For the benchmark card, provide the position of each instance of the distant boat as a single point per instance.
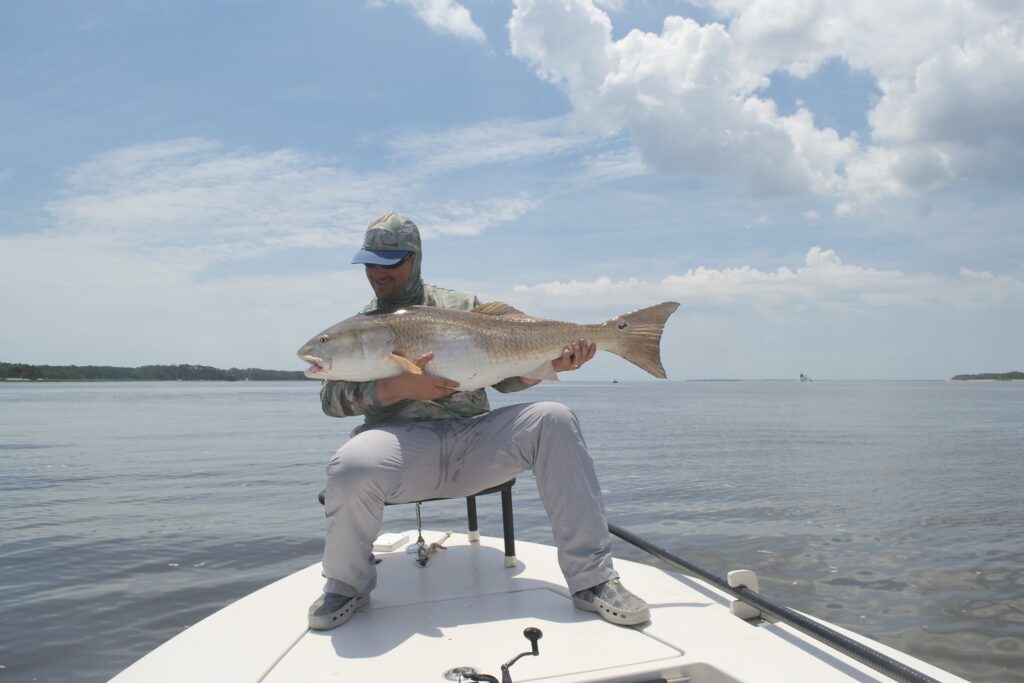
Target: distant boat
(615, 381)
(804, 378)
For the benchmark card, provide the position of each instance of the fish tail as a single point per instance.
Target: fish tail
(639, 336)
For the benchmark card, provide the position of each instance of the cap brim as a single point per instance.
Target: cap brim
(379, 258)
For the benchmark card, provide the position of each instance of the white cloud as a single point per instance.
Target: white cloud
(951, 77)
(443, 16)
(613, 165)
(599, 157)
(136, 232)
(490, 142)
(216, 202)
(823, 282)
(200, 203)
(462, 218)
(687, 96)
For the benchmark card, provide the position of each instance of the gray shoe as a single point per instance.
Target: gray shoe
(614, 603)
(332, 610)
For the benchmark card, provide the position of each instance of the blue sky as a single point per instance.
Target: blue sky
(826, 189)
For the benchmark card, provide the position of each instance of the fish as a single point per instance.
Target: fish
(476, 348)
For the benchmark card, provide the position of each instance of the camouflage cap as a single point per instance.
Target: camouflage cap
(389, 239)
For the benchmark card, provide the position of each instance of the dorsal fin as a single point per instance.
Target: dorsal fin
(500, 309)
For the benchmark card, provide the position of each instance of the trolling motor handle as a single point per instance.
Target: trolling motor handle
(533, 634)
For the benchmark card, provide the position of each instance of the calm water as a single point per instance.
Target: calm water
(130, 511)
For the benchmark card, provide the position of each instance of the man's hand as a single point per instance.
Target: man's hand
(409, 386)
(574, 355)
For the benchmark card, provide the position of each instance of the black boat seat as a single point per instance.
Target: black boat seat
(507, 521)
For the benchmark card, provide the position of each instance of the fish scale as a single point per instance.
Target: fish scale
(489, 350)
(476, 348)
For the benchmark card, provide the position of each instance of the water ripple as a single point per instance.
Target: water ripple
(888, 508)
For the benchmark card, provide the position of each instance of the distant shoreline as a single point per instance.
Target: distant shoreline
(997, 376)
(24, 372)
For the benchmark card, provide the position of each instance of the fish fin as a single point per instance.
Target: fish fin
(502, 309)
(640, 336)
(407, 364)
(544, 371)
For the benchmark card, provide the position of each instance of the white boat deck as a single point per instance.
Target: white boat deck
(467, 609)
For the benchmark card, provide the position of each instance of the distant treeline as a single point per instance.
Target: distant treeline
(145, 373)
(1017, 374)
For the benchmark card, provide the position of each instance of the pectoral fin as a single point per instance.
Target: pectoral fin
(544, 371)
(407, 364)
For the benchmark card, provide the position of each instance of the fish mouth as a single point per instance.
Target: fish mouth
(317, 366)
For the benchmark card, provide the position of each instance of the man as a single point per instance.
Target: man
(419, 429)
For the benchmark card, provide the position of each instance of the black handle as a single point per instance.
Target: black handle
(533, 634)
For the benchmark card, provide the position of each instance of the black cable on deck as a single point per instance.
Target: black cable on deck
(852, 648)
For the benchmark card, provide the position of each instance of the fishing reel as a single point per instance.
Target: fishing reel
(468, 673)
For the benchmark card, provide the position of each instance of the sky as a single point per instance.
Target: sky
(827, 188)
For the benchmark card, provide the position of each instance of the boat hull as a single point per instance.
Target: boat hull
(466, 609)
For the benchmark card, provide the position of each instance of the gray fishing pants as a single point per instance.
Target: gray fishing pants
(399, 463)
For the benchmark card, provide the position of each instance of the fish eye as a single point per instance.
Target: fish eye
(323, 339)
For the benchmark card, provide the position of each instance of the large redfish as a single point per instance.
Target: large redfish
(475, 348)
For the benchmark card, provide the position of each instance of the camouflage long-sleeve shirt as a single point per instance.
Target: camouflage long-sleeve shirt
(344, 399)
